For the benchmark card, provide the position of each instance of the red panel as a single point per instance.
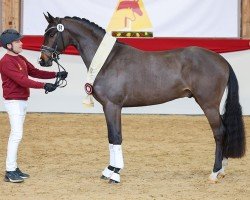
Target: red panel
(218, 45)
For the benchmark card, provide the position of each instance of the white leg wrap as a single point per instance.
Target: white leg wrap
(224, 164)
(118, 156)
(213, 176)
(111, 155)
(107, 173)
(115, 177)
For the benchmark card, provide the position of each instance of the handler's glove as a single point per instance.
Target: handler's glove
(49, 87)
(62, 75)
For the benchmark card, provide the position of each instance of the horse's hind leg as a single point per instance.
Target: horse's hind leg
(213, 115)
(113, 120)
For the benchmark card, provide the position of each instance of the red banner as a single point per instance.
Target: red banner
(219, 45)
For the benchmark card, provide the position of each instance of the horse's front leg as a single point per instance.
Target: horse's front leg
(113, 119)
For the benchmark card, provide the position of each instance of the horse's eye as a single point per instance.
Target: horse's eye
(51, 34)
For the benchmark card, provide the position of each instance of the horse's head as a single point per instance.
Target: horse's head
(56, 39)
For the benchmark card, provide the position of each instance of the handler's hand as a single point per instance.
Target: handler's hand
(49, 87)
(62, 75)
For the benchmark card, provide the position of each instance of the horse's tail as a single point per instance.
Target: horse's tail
(235, 141)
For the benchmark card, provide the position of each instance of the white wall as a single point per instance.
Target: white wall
(170, 18)
(69, 99)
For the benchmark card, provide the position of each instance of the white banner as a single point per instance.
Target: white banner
(165, 18)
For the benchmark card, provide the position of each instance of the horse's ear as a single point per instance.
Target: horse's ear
(49, 18)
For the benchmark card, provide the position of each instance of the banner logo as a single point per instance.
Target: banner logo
(130, 19)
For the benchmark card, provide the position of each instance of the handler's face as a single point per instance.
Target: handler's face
(17, 46)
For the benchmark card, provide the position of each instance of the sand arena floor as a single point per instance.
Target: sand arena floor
(166, 157)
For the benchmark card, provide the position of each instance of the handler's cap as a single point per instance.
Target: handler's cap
(9, 36)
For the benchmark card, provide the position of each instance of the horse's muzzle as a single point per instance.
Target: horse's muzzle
(41, 62)
(44, 63)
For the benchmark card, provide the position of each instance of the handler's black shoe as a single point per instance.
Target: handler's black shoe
(12, 176)
(21, 174)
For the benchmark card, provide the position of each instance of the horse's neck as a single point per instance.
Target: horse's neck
(87, 51)
(87, 46)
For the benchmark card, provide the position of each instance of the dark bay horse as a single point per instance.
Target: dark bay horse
(131, 77)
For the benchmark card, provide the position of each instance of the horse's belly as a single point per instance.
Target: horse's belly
(152, 98)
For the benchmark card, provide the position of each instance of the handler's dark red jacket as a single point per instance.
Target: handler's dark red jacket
(14, 73)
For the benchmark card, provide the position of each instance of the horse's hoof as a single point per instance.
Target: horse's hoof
(213, 180)
(104, 177)
(113, 181)
(222, 175)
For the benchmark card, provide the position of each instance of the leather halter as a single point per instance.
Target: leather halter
(54, 54)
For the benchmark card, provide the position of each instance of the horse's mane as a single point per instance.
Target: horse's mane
(94, 27)
(91, 25)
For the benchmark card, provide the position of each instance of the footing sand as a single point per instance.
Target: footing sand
(166, 157)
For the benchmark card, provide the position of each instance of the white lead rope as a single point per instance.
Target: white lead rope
(98, 61)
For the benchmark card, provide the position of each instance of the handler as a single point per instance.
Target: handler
(15, 70)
